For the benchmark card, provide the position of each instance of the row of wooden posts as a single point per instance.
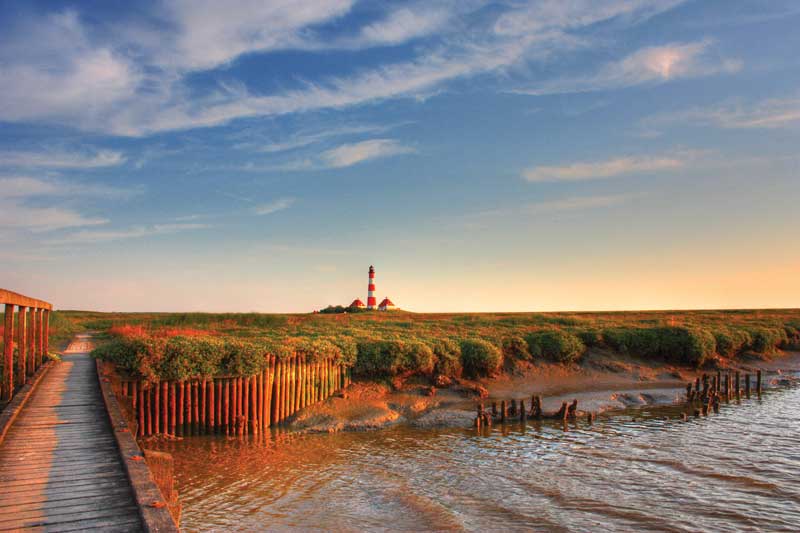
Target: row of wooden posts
(30, 338)
(707, 391)
(233, 405)
(508, 412)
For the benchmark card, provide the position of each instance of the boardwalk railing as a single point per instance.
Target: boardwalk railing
(30, 337)
(233, 405)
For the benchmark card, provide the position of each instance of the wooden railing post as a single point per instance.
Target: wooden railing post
(8, 353)
(46, 332)
(39, 340)
(31, 356)
(22, 334)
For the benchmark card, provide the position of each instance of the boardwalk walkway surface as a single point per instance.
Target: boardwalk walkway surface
(60, 469)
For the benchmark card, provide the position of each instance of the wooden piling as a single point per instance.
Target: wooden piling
(274, 391)
(738, 386)
(758, 383)
(747, 385)
(245, 406)
(212, 407)
(142, 427)
(522, 414)
(172, 408)
(226, 402)
(164, 407)
(503, 411)
(181, 389)
(188, 426)
(218, 405)
(148, 415)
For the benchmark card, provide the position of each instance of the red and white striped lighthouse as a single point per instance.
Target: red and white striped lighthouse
(371, 288)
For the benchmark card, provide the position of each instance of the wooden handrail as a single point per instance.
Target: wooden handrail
(31, 339)
(10, 297)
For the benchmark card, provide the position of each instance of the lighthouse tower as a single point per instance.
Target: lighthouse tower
(371, 288)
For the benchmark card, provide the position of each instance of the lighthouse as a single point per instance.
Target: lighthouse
(371, 288)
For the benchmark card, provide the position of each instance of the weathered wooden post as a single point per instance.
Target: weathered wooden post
(273, 418)
(727, 386)
(503, 411)
(522, 414)
(689, 392)
(157, 408)
(218, 385)
(758, 383)
(46, 331)
(512, 410)
(187, 419)
(738, 386)
(226, 409)
(39, 338)
(22, 367)
(30, 355)
(8, 352)
(140, 409)
(747, 385)
(172, 408)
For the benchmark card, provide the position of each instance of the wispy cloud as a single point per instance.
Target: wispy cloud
(301, 140)
(21, 199)
(136, 232)
(131, 79)
(27, 186)
(273, 207)
(651, 65)
(61, 159)
(350, 154)
(578, 203)
(14, 215)
(603, 169)
(770, 113)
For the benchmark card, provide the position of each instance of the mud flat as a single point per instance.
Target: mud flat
(603, 382)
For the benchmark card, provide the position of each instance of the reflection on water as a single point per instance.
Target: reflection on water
(643, 470)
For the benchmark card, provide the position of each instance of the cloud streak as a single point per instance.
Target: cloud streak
(61, 159)
(650, 65)
(136, 232)
(766, 114)
(273, 207)
(608, 168)
(348, 155)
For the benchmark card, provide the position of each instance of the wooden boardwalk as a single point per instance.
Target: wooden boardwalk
(60, 468)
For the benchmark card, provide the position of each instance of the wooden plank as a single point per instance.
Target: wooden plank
(60, 465)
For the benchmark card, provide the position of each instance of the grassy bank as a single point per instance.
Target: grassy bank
(182, 345)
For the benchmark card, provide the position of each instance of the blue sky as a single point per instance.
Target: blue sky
(484, 156)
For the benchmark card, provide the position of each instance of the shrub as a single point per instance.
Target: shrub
(591, 338)
(385, 358)
(135, 356)
(480, 358)
(515, 347)
(186, 358)
(767, 340)
(240, 358)
(732, 341)
(447, 358)
(681, 345)
(556, 345)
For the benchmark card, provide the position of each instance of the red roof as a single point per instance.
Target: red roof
(357, 303)
(386, 303)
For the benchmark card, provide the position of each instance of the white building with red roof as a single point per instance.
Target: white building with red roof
(386, 305)
(357, 303)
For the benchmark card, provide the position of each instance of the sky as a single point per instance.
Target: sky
(517, 155)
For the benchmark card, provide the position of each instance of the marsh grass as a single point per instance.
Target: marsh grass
(381, 344)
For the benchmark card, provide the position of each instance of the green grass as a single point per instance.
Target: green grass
(380, 344)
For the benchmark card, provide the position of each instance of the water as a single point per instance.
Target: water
(635, 470)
